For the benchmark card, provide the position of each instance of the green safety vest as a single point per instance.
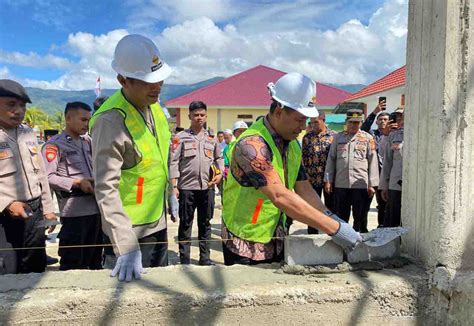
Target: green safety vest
(247, 212)
(142, 187)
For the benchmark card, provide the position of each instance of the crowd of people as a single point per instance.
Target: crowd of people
(118, 172)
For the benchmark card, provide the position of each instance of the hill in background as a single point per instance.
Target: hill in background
(51, 100)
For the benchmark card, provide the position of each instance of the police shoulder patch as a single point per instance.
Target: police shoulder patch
(51, 152)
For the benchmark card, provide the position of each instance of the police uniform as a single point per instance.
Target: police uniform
(119, 152)
(191, 159)
(67, 159)
(23, 178)
(391, 177)
(352, 168)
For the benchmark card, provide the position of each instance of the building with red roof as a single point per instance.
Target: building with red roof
(392, 86)
(244, 96)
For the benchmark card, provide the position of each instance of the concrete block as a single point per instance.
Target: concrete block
(314, 249)
(363, 253)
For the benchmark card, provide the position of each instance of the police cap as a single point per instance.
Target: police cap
(10, 88)
(354, 115)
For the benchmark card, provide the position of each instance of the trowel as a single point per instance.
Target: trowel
(381, 236)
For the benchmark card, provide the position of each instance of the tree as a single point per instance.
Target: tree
(36, 118)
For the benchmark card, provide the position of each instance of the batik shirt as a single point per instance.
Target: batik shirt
(251, 166)
(315, 154)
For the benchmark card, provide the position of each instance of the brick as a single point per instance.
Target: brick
(314, 249)
(363, 253)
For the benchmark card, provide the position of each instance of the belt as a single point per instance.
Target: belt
(73, 193)
(34, 203)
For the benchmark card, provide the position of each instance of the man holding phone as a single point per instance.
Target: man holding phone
(25, 198)
(379, 137)
(392, 170)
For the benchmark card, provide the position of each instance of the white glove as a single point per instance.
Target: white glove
(347, 237)
(173, 204)
(128, 266)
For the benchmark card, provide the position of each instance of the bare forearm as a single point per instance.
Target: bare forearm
(299, 209)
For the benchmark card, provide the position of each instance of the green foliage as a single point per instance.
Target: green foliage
(36, 117)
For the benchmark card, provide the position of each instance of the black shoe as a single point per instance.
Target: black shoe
(51, 260)
(206, 262)
(185, 262)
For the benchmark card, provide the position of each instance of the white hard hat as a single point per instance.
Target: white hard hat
(297, 92)
(240, 125)
(228, 131)
(136, 56)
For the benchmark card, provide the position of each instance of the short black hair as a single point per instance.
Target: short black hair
(99, 101)
(220, 132)
(197, 105)
(382, 114)
(77, 105)
(274, 105)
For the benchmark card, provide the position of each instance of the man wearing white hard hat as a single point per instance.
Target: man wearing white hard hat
(237, 130)
(130, 145)
(267, 182)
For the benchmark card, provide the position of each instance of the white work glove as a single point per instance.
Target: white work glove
(173, 206)
(346, 237)
(128, 266)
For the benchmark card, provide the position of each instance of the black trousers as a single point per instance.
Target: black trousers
(393, 209)
(24, 233)
(211, 203)
(328, 202)
(381, 207)
(189, 201)
(358, 200)
(154, 248)
(80, 231)
(231, 258)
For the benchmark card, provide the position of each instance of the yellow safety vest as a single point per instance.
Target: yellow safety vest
(142, 187)
(247, 212)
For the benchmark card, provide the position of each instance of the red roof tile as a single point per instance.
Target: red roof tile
(394, 79)
(249, 89)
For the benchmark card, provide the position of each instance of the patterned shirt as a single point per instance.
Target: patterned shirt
(251, 165)
(315, 154)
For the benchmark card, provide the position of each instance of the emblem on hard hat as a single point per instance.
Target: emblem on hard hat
(156, 63)
(313, 102)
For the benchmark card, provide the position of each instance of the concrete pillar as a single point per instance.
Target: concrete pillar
(438, 176)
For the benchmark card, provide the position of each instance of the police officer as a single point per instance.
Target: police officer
(130, 147)
(392, 171)
(352, 171)
(25, 197)
(380, 138)
(190, 164)
(68, 161)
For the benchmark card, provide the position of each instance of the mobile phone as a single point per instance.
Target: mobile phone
(383, 99)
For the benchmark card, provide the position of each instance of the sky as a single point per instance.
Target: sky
(60, 44)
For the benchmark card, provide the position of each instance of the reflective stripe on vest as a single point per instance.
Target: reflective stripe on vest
(142, 187)
(248, 213)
